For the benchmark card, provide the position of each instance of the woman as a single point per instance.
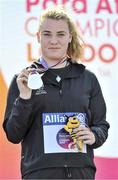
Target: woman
(60, 123)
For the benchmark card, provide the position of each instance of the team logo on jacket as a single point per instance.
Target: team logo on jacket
(41, 90)
(60, 132)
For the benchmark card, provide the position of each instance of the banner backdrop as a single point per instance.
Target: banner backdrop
(97, 21)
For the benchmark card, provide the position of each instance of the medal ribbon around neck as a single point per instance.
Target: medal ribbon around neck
(42, 65)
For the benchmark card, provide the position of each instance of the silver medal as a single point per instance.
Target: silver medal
(34, 80)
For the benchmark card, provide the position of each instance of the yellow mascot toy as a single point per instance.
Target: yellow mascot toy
(72, 123)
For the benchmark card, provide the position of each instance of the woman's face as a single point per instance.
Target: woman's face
(54, 37)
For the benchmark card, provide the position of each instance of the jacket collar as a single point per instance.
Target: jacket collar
(73, 70)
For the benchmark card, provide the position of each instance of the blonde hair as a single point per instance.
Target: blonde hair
(75, 47)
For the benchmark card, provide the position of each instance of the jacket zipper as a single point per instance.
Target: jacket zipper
(60, 92)
(60, 97)
(67, 170)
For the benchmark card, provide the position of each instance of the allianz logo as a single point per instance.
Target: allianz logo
(54, 118)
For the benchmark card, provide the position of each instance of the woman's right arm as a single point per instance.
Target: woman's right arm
(18, 114)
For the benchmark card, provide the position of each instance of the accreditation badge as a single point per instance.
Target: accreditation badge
(56, 138)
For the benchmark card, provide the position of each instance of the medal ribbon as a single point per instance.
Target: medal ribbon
(42, 65)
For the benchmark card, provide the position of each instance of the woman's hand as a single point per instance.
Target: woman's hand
(22, 79)
(85, 134)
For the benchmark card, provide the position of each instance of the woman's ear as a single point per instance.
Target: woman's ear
(38, 36)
